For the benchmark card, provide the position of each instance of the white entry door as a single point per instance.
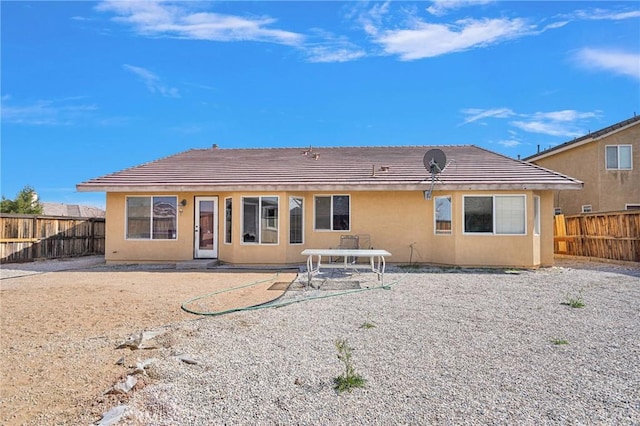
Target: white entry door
(206, 232)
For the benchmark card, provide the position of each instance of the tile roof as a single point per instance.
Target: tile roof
(70, 210)
(591, 137)
(329, 168)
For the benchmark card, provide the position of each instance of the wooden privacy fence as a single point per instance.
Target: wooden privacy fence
(612, 235)
(28, 237)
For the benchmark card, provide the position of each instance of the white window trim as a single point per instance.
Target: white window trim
(259, 230)
(126, 220)
(586, 207)
(618, 152)
(494, 218)
(557, 211)
(289, 220)
(435, 230)
(536, 215)
(331, 212)
(224, 239)
(634, 206)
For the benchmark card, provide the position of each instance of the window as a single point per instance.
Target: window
(228, 211)
(260, 220)
(586, 208)
(296, 220)
(442, 215)
(632, 206)
(332, 212)
(510, 214)
(557, 211)
(151, 218)
(478, 214)
(618, 157)
(499, 214)
(536, 215)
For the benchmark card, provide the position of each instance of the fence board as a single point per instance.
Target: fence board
(28, 237)
(612, 235)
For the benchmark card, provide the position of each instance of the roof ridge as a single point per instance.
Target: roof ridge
(326, 147)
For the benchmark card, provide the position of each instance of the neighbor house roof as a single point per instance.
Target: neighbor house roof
(329, 168)
(70, 210)
(591, 137)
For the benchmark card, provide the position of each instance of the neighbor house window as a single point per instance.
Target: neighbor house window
(618, 157)
(536, 215)
(557, 211)
(442, 206)
(260, 220)
(228, 211)
(499, 214)
(296, 223)
(151, 218)
(632, 206)
(587, 208)
(332, 212)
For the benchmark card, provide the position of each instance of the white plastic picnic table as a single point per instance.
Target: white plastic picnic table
(376, 260)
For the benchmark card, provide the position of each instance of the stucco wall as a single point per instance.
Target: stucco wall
(604, 190)
(400, 222)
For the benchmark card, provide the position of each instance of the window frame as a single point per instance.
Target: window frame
(617, 147)
(315, 216)
(435, 216)
(586, 208)
(301, 199)
(632, 206)
(494, 218)
(151, 218)
(536, 215)
(260, 208)
(228, 217)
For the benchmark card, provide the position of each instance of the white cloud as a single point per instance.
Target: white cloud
(428, 40)
(331, 48)
(62, 112)
(151, 18)
(372, 18)
(442, 7)
(605, 15)
(615, 61)
(564, 123)
(546, 128)
(333, 54)
(509, 143)
(152, 81)
(563, 116)
(475, 114)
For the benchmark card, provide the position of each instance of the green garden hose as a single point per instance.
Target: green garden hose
(272, 303)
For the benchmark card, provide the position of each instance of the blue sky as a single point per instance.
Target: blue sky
(90, 88)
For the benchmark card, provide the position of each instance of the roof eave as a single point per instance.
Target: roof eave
(420, 186)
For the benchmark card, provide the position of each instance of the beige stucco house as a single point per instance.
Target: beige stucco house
(265, 206)
(607, 161)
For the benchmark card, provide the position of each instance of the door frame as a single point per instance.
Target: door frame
(197, 252)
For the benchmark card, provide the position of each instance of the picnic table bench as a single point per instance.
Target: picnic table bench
(376, 260)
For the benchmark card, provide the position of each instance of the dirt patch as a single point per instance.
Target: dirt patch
(59, 331)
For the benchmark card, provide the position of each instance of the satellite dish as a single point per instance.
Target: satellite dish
(435, 160)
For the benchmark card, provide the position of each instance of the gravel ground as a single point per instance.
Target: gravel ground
(442, 347)
(14, 270)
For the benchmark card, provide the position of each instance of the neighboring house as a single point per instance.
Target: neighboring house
(607, 161)
(70, 210)
(265, 206)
